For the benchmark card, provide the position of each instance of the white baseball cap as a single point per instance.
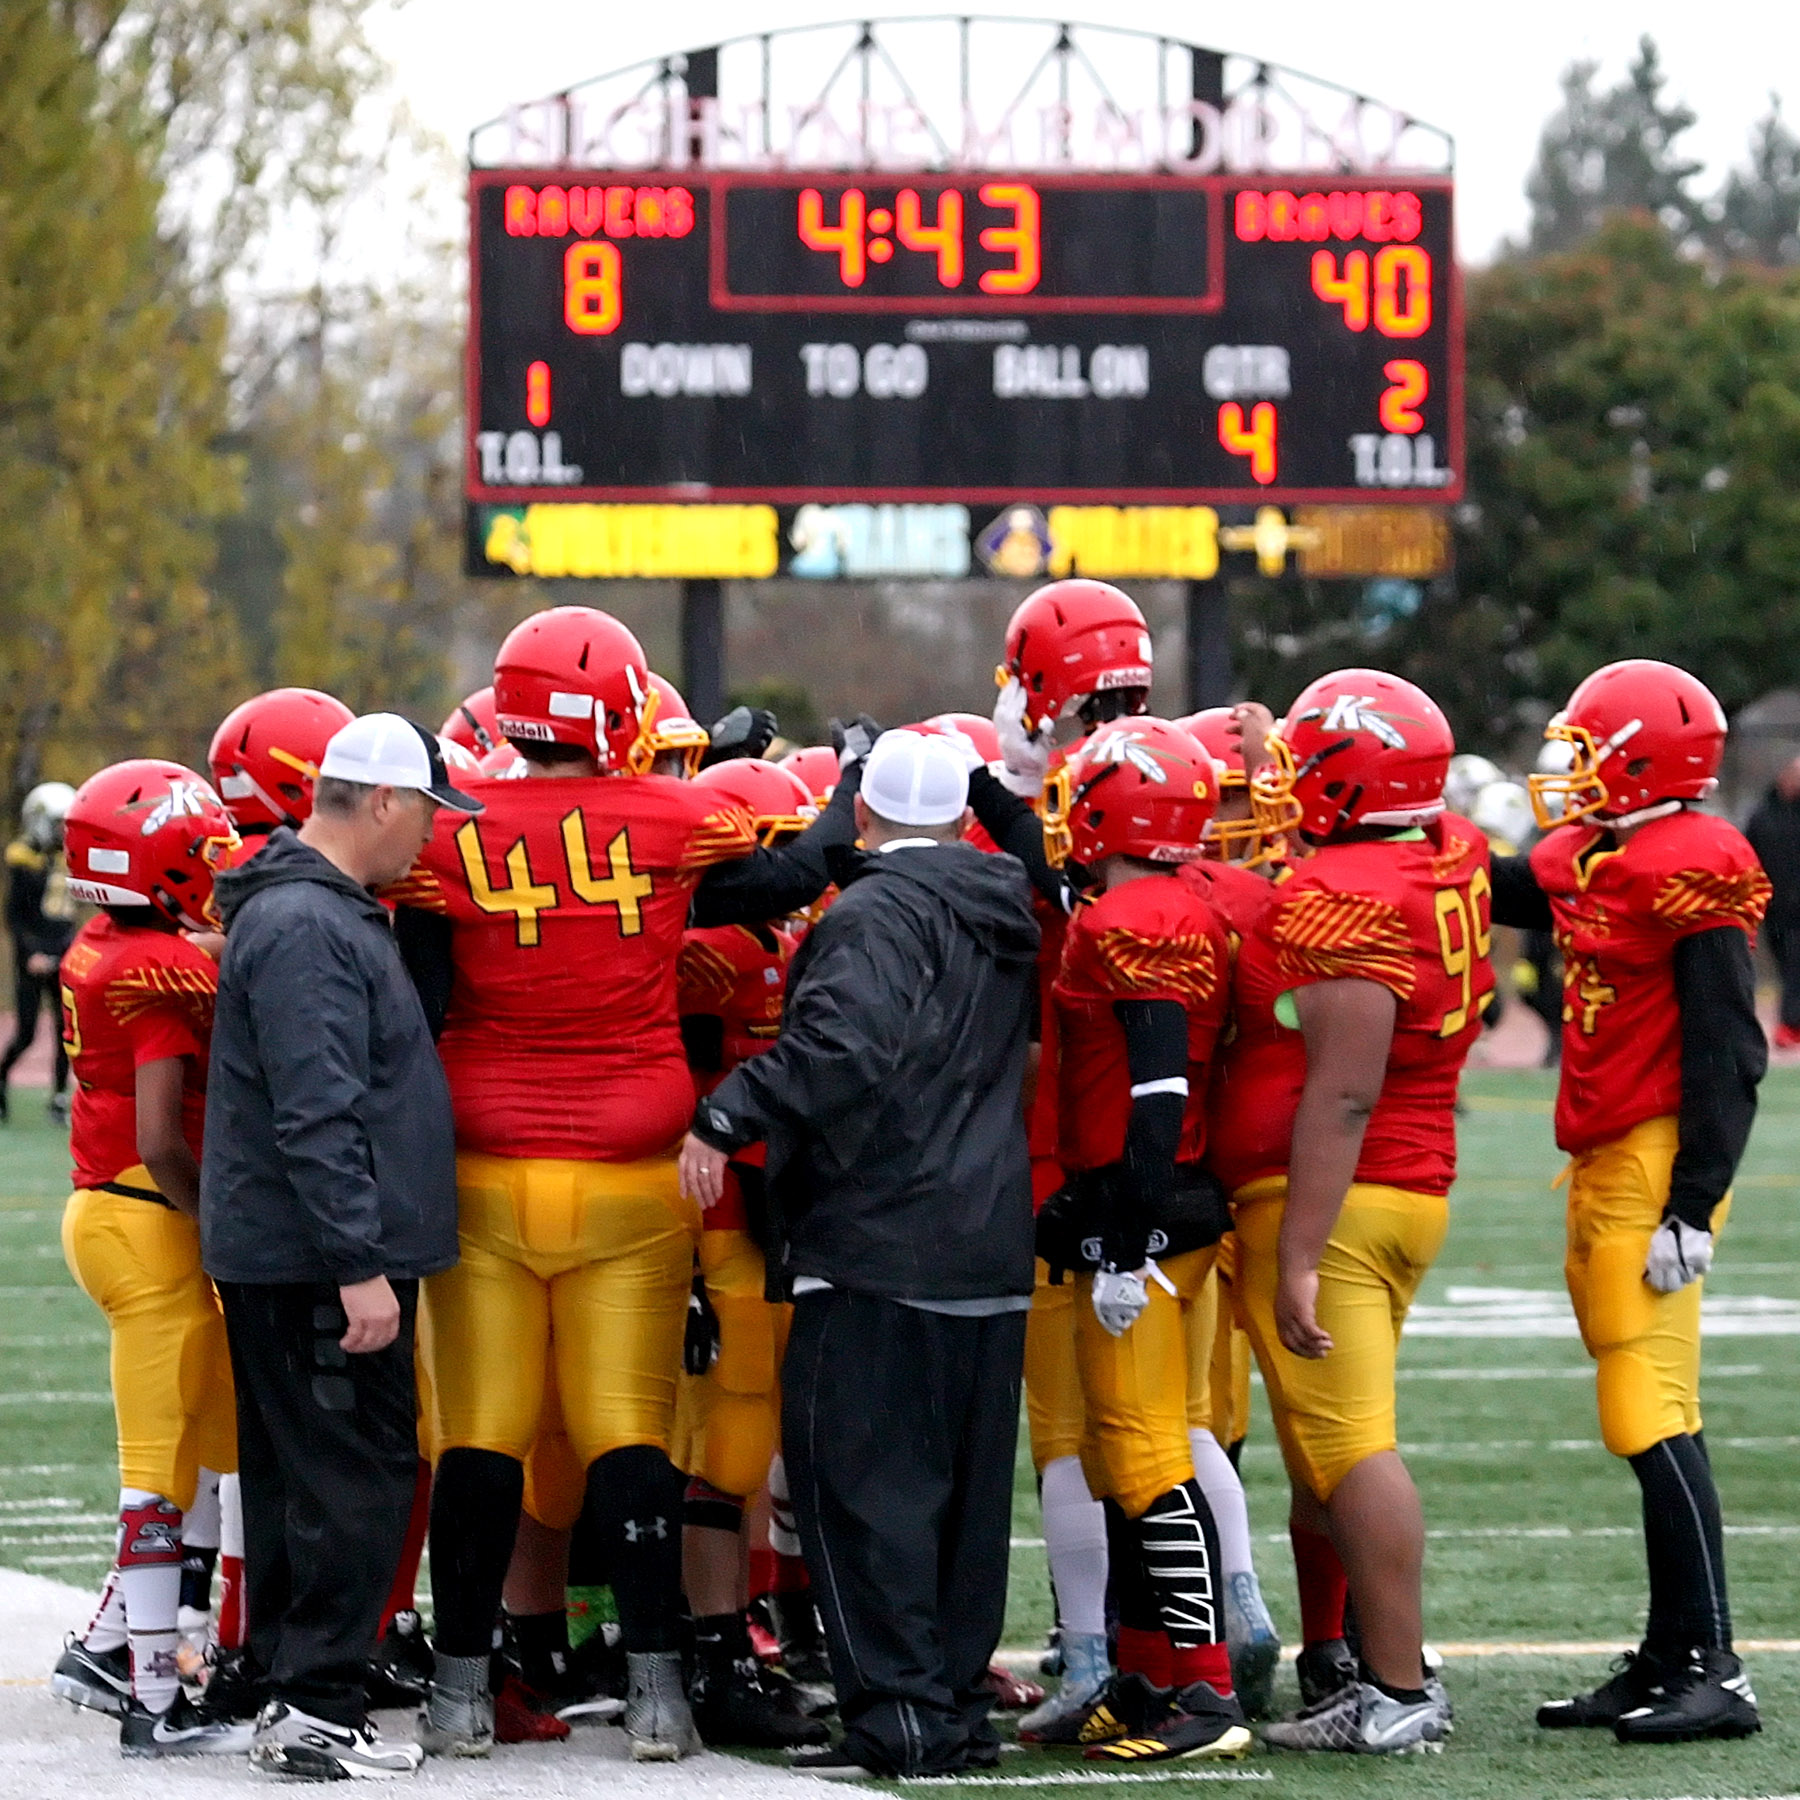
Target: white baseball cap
(385, 750)
(912, 779)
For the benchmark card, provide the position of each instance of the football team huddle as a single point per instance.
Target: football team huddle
(1266, 954)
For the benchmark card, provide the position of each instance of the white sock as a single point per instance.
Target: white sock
(231, 1518)
(784, 1534)
(1075, 1539)
(200, 1524)
(1225, 1495)
(106, 1630)
(150, 1583)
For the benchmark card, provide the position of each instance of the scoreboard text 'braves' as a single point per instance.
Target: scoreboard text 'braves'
(690, 335)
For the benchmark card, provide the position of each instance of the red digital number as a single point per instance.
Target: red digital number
(1255, 440)
(592, 304)
(1400, 404)
(944, 240)
(1020, 238)
(844, 240)
(537, 394)
(1402, 288)
(1349, 290)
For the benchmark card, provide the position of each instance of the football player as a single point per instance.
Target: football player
(1655, 906)
(1356, 999)
(144, 839)
(545, 939)
(40, 922)
(1140, 999)
(265, 757)
(731, 982)
(472, 724)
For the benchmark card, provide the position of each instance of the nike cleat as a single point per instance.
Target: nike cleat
(95, 1680)
(1254, 1644)
(1201, 1726)
(1361, 1719)
(184, 1730)
(1708, 1697)
(1323, 1669)
(1634, 1678)
(290, 1742)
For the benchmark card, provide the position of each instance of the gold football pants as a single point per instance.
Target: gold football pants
(1053, 1405)
(580, 1267)
(139, 1262)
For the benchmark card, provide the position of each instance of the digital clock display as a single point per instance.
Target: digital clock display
(983, 337)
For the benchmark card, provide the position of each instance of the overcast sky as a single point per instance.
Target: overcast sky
(1488, 74)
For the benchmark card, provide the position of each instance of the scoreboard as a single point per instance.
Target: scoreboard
(796, 338)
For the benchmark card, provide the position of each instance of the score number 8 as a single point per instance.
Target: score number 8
(592, 302)
(1398, 269)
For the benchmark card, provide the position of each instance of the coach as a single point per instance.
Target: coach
(897, 1159)
(327, 1189)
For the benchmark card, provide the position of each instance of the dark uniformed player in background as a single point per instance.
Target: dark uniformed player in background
(40, 919)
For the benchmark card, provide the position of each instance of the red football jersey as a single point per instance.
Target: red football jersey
(131, 995)
(568, 898)
(1413, 914)
(728, 973)
(1238, 896)
(1620, 910)
(1153, 939)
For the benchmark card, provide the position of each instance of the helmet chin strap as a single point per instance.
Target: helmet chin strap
(1404, 816)
(1644, 814)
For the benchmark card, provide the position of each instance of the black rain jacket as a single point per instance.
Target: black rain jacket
(329, 1152)
(897, 1160)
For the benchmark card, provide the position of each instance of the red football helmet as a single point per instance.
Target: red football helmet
(459, 759)
(817, 767)
(1210, 729)
(1359, 747)
(1640, 733)
(503, 763)
(1246, 840)
(573, 675)
(265, 755)
(149, 833)
(472, 723)
(777, 798)
(1135, 787)
(669, 729)
(1072, 639)
(979, 731)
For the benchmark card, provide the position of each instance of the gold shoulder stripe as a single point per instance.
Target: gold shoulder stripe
(1143, 965)
(1325, 936)
(723, 836)
(1446, 865)
(704, 977)
(418, 888)
(1700, 897)
(141, 990)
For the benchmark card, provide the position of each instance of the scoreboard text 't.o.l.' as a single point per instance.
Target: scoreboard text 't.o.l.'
(694, 335)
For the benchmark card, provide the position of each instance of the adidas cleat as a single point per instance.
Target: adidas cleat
(95, 1680)
(1200, 1725)
(1127, 1706)
(1708, 1697)
(1361, 1719)
(1634, 1677)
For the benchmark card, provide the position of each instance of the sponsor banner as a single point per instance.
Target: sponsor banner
(861, 541)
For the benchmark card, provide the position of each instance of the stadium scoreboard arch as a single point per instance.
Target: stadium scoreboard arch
(692, 335)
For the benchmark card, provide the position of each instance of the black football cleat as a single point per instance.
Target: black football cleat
(736, 1705)
(184, 1730)
(401, 1670)
(1200, 1725)
(95, 1680)
(1323, 1668)
(1709, 1696)
(1633, 1679)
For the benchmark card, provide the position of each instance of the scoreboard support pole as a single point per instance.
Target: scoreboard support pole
(1209, 670)
(703, 648)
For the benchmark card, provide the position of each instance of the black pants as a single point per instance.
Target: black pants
(30, 994)
(1784, 945)
(899, 1428)
(327, 1455)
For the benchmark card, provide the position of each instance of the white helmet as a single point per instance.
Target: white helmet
(1502, 814)
(41, 817)
(1468, 776)
(1556, 756)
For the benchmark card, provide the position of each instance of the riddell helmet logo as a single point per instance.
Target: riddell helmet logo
(1356, 712)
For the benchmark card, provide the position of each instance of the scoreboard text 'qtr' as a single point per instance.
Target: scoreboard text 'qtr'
(981, 336)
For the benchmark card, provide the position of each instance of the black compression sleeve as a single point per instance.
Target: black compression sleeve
(1156, 1055)
(1723, 1056)
(424, 940)
(1019, 832)
(1518, 900)
(770, 884)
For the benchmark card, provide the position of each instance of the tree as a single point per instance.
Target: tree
(1632, 419)
(1759, 210)
(1611, 152)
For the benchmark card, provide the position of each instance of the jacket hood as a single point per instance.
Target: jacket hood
(283, 859)
(990, 895)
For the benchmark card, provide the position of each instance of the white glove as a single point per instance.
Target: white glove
(1119, 1296)
(964, 746)
(1678, 1254)
(1024, 755)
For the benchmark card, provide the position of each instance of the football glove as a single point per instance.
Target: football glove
(744, 731)
(1059, 1231)
(854, 741)
(1024, 755)
(700, 1345)
(1678, 1254)
(1119, 1297)
(964, 746)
